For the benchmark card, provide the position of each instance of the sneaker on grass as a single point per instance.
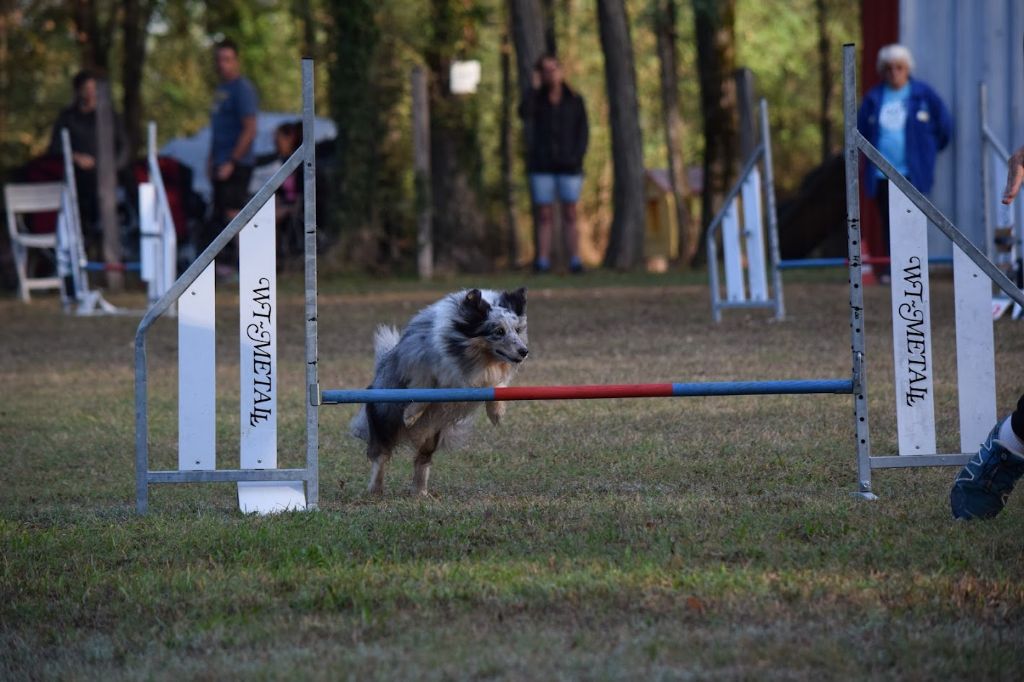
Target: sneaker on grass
(983, 486)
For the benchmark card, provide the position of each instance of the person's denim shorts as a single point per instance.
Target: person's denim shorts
(544, 185)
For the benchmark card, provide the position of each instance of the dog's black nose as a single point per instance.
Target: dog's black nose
(523, 352)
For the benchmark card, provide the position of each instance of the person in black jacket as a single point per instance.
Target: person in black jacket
(555, 120)
(80, 120)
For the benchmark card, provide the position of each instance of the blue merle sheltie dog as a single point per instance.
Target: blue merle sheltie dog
(473, 338)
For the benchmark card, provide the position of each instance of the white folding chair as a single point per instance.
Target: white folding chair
(21, 199)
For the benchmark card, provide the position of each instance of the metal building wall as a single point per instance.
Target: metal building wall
(956, 45)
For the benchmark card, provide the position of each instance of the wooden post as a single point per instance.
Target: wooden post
(106, 172)
(421, 166)
(745, 103)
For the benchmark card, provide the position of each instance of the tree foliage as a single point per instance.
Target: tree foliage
(363, 81)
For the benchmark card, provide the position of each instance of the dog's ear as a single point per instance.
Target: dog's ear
(515, 301)
(474, 301)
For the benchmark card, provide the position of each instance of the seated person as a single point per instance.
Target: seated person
(287, 138)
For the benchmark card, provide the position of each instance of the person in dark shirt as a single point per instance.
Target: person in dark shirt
(80, 120)
(555, 119)
(233, 128)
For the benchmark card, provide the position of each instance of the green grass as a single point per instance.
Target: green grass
(664, 539)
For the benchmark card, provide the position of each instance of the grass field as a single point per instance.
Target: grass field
(654, 539)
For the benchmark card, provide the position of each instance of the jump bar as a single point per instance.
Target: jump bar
(465, 395)
(94, 266)
(807, 263)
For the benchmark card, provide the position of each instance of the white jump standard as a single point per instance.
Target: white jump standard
(746, 266)
(976, 383)
(262, 487)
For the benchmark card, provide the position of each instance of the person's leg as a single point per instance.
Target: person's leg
(216, 223)
(236, 196)
(542, 189)
(87, 186)
(983, 486)
(882, 202)
(570, 236)
(237, 192)
(569, 194)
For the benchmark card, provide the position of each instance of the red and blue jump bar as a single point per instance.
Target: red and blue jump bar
(585, 392)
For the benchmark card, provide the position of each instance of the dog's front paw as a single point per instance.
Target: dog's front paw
(412, 413)
(495, 411)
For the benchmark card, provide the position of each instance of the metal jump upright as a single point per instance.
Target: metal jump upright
(304, 156)
(747, 284)
(910, 201)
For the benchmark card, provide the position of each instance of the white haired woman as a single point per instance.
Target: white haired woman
(908, 123)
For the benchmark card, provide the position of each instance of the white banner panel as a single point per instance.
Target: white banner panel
(197, 375)
(733, 254)
(753, 236)
(257, 323)
(975, 352)
(911, 326)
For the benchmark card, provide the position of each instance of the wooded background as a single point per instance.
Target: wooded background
(657, 75)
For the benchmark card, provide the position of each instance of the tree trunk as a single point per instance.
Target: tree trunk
(716, 56)
(824, 64)
(93, 35)
(665, 32)
(305, 10)
(135, 21)
(505, 150)
(550, 42)
(528, 36)
(455, 159)
(626, 241)
(352, 93)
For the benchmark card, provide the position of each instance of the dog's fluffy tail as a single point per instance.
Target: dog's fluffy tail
(384, 339)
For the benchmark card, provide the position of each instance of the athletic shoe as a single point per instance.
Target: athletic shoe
(541, 266)
(576, 266)
(983, 486)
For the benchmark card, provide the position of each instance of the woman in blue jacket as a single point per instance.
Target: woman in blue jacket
(908, 123)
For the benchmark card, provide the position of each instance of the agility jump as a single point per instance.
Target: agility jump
(298, 488)
(747, 221)
(157, 239)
